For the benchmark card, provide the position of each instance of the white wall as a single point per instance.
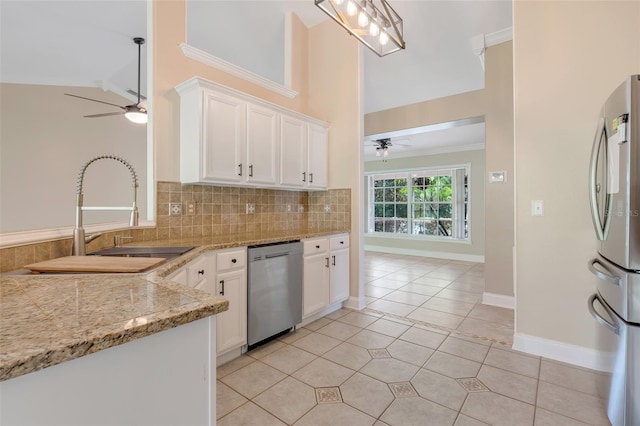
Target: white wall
(568, 57)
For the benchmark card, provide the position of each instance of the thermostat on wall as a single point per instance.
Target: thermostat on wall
(498, 177)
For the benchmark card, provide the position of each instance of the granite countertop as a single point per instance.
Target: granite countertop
(51, 318)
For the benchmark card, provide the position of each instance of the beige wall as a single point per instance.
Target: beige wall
(494, 102)
(335, 95)
(568, 57)
(171, 68)
(468, 250)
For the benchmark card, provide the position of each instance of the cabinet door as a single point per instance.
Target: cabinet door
(232, 324)
(316, 284)
(293, 152)
(339, 276)
(318, 144)
(262, 145)
(223, 138)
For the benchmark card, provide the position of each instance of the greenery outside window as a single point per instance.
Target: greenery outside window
(432, 202)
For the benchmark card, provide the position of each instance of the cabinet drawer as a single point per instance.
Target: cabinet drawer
(198, 270)
(231, 260)
(340, 241)
(317, 246)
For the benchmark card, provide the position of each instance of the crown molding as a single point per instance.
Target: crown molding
(213, 61)
(498, 37)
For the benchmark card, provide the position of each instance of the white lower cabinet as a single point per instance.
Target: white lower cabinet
(231, 283)
(222, 273)
(326, 273)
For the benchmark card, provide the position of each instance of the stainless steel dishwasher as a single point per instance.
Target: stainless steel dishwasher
(274, 290)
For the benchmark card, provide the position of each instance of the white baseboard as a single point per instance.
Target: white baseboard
(357, 303)
(564, 352)
(426, 253)
(499, 300)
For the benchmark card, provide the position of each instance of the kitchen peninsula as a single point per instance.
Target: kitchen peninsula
(138, 342)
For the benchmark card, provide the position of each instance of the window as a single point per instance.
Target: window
(433, 202)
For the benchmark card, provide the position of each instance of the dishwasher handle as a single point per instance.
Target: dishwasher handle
(271, 256)
(607, 324)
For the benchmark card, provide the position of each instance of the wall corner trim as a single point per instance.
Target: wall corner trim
(564, 352)
(499, 300)
(357, 303)
(213, 61)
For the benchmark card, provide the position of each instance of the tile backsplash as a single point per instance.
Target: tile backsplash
(219, 210)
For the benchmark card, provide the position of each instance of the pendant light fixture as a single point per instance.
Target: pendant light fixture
(373, 22)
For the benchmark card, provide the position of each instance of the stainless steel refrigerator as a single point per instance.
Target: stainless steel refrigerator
(615, 206)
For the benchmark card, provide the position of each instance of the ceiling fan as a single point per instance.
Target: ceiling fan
(382, 146)
(137, 112)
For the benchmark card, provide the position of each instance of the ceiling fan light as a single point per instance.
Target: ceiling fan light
(137, 117)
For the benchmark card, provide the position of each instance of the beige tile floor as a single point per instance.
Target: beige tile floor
(423, 352)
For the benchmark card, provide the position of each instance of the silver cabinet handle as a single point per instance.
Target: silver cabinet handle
(240, 169)
(603, 276)
(609, 325)
(327, 259)
(304, 176)
(251, 170)
(310, 177)
(333, 260)
(222, 283)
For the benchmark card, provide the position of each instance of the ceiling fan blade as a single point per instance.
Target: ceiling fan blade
(95, 100)
(107, 114)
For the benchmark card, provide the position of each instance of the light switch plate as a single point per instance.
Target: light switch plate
(498, 177)
(537, 208)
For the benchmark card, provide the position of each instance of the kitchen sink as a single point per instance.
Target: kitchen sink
(139, 251)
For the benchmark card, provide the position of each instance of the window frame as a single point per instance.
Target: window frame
(409, 175)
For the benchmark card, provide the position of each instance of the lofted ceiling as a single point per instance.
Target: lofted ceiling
(88, 43)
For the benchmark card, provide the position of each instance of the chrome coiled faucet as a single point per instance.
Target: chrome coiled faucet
(79, 239)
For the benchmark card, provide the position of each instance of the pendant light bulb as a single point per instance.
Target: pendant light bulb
(363, 19)
(384, 38)
(386, 151)
(374, 29)
(378, 152)
(351, 8)
(339, 2)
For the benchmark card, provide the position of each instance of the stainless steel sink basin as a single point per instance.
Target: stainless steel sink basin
(139, 251)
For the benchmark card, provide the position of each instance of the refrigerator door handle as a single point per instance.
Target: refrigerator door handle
(609, 277)
(607, 324)
(602, 229)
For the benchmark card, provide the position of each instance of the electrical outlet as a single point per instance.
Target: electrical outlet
(191, 207)
(288, 207)
(300, 208)
(251, 208)
(537, 208)
(327, 208)
(175, 209)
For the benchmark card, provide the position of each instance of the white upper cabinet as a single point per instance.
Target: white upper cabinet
(304, 153)
(293, 158)
(262, 145)
(229, 137)
(224, 138)
(317, 152)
